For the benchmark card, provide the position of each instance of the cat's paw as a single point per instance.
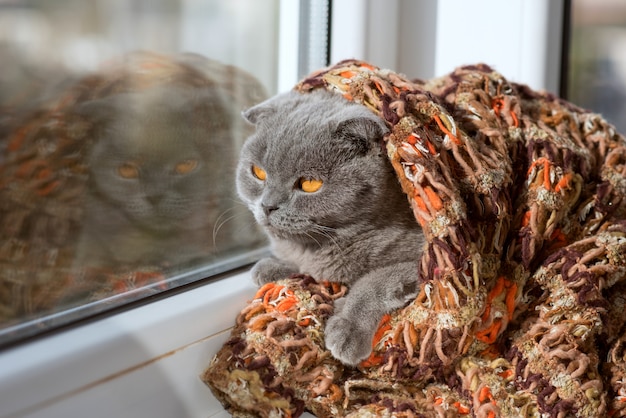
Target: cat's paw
(270, 269)
(346, 341)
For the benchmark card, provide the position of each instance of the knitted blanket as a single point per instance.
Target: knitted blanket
(523, 282)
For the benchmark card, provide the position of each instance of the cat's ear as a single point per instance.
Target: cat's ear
(208, 107)
(284, 102)
(259, 112)
(101, 111)
(270, 107)
(362, 132)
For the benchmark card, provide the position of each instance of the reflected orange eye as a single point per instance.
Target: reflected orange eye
(128, 170)
(259, 172)
(186, 166)
(310, 185)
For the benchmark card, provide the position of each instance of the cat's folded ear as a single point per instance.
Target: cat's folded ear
(264, 109)
(362, 131)
(100, 111)
(258, 112)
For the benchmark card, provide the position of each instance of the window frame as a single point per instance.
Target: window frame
(145, 361)
(534, 58)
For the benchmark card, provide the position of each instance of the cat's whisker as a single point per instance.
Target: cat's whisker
(250, 224)
(327, 231)
(219, 217)
(313, 238)
(325, 228)
(221, 221)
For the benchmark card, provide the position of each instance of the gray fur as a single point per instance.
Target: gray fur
(357, 229)
(162, 217)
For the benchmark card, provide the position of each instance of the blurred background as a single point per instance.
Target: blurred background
(597, 58)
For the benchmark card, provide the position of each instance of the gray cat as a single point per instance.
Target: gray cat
(316, 178)
(157, 177)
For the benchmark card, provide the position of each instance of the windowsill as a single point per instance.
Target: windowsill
(143, 362)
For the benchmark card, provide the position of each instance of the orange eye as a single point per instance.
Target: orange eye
(128, 170)
(259, 173)
(186, 166)
(310, 185)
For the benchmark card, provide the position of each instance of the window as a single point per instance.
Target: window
(119, 132)
(145, 361)
(597, 59)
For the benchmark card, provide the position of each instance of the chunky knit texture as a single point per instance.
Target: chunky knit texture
(523, 282)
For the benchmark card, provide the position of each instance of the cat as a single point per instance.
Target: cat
(316, 178)
(158, 178)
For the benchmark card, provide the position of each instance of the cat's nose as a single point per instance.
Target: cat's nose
(267, 209)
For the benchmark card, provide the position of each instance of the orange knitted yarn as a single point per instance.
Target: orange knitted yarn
(521, 309)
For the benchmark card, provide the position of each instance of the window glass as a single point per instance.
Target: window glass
(119, 133)
(597, 59)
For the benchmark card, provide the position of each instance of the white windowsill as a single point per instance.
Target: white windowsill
(141, 363)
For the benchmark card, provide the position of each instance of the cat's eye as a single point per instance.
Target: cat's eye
(310, 185)
(128, 170)
(259, 173)
(186, 166)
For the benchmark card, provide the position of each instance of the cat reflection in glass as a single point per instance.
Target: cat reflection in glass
(157, 182)
(316, 178)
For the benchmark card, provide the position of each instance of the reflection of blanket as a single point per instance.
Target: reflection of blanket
(44, 180)
(521, 312)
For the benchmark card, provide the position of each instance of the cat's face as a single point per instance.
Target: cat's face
(313, 166)
(156, 157)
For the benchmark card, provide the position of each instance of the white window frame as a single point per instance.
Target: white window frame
(145, 362)
(424, 39)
